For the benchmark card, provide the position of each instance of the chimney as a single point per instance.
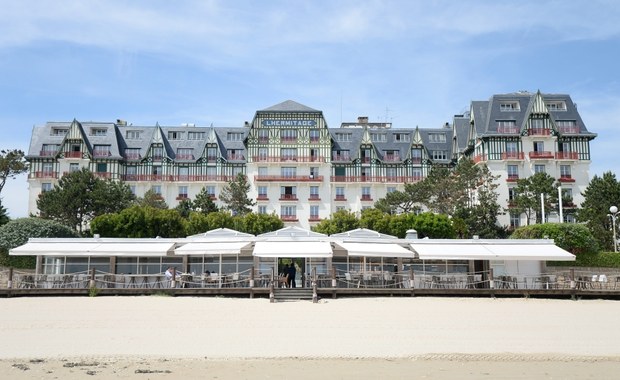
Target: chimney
(121, 122)
(362, 119)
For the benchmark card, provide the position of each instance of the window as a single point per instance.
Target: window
(158, 152)
(437, 137)
(262, 192)
(237, 170)
(195, 135)
(59, 131)
(390, 173)
(539, 146)
(288, 172)
(46, 186)
(262, 154)
(341, 155)
(365, 155)
(288, 154)
(314, 135)
(262, 209)
(102, 167)
(378, 137)
(49, 150)
(132, 188)
(507, 126)
(314, 172)
(98, 131)
(416, 173)
(210, 191)
(182, 192)
(391, 189)
(340, 136)
(234, 136)
(512, 147)
(132, 135)
(537, 124)
(509, 106)
(132, 153)
(416, 156)
(131, 170)
(391, 155)
(439, 155)
(569, 218)
(340, 193)
(211, 172)
(156, 189)
(567, 193)
(366, 193)
(185, 154)
(74, 167)
(314, 192)
(183, 173)
(515, 220)
(288, 212)
(340, 208)
(401, 137)
(156, 170)
(234, 154)
(512, 194)
(556, 106)
(263, 135)
(288, 135)
(539, 169)
(101, 150)
(513, 172)
(288, 192)
(314, 212)
(211, 153)
(565, 171)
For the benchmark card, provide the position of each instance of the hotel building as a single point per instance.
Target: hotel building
(303, 171)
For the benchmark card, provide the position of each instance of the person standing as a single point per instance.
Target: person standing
(292, 272)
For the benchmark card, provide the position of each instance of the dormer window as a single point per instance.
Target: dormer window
(401, 137)
(175, 135)
(343, 136)
(132, 135)
(508, 106)
(437, 137)
(234, 136)
(98, 131)
(378, 137)
(556, 106)
(59, 131)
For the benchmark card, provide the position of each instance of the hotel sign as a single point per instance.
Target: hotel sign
(288, 123)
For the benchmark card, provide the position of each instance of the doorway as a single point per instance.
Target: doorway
(284, 265)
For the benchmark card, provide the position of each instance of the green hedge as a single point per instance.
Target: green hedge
(595, 260)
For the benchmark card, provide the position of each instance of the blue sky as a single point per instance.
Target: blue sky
(414, 63)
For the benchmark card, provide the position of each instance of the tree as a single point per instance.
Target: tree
(434, 226)
(376, 220)
(140, 222)
(204, 203)
(340, 221)
(185, 207)
(601, 193)
(408, 200)
(152, 199)
(80, 196)
(575, 238)
(4, 217)
(18, 231)
(12, 164)
(257, 224)
(198, 222)
(235, 195)
(527, 197)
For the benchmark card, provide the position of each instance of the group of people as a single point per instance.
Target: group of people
(287, 277)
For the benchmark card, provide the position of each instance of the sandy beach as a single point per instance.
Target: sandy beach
(156, 337)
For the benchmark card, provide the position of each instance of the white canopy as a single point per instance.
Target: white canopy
(77, 248)
(376, 250)
(212, 248)
(470, 250)
(292, 249)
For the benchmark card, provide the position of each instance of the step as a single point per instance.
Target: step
(293, 294)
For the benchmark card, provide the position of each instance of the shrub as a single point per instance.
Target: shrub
(575, 238)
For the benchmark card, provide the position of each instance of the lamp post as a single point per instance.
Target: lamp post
(613, 213)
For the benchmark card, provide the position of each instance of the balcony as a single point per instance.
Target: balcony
(314, 197)
(416, 160)
(103, 175)
(507, 130)
(512, 178)
(132, 156)
(175, 178)
(47, 153)
(365, 160)
(211, 158)
(101, 154)
(479, 158)
(566, 178)
(366, 197)
(341, 158)
(391, 158)
(340, 197)
(512, 156)
(567, 156)
(569, 130)
(235, 157)
(314, 218)
(263, 140)
(281, 178)
(262, 197)
(288, 197)
(288, 140)
(288, 158)
(539, 132)
(377, 179)
(288, 218)
(541, 155)
(181, 197)
(185, 157)
(44, 174)
(73, 154)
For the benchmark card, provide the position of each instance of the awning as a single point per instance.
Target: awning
(292, 249)
(516, 251)
(376, 250)
(212, 248)
(93, 249)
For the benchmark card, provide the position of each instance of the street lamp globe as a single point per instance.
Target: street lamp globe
(613, 209)
(613, 213)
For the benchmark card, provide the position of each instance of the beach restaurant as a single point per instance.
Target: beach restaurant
(359, 258)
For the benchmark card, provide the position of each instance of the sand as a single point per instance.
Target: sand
(159, 337)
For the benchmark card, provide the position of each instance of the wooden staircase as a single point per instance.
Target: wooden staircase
(292, 294)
